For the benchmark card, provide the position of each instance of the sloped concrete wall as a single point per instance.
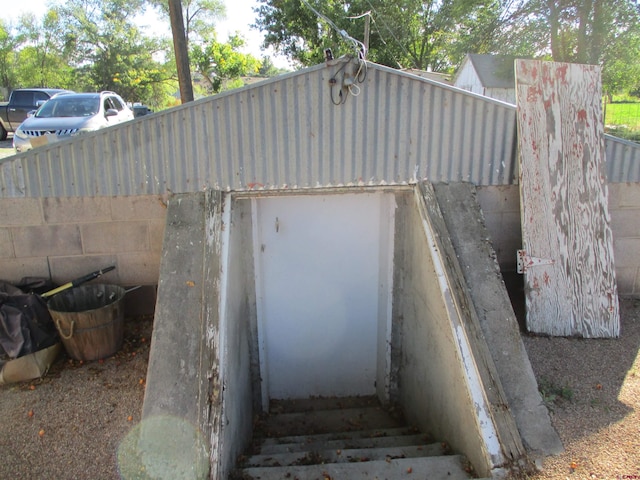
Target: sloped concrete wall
(496, 317)
(431, 384)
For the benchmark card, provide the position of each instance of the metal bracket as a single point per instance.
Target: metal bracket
(525, 261)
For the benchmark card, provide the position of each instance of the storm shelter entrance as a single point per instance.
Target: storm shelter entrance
(323, 270)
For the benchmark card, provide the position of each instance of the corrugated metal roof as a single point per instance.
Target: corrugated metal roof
(285, 132)
(622, 160)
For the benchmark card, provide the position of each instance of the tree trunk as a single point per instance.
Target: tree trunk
(554, 25)
(584, 12)
(181, 51)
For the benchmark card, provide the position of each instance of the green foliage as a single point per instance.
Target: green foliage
(42, 62)
(552, 393)
(222, 64)
(435, 34)
(109, 52)
(9, 43)
(200, 16)
(268, 69)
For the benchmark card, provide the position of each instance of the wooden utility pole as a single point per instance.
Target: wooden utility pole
(180, 48)
(367, 22)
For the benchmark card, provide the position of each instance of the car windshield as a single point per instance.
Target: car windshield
(70, 106)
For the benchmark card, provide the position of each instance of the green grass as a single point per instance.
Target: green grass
(623, 114)
(552, 393)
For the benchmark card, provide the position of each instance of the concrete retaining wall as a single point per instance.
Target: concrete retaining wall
(238, 334)
(68, 237)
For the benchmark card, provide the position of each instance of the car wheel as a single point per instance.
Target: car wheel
(3, 133)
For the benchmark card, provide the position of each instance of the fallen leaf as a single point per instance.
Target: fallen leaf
(30, 413)
(191, 283)
(41, 433)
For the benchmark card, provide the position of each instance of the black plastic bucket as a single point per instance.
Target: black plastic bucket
(89, 320)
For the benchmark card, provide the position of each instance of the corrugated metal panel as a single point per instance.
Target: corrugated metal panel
(622, 160)
(286, 132)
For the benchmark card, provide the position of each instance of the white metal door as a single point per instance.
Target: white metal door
(318, 275)
(570, 282)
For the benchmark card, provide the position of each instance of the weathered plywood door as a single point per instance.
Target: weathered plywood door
(563, 197)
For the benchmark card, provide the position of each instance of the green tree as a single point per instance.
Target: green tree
(268, 69)
(579, 31)
(42, 61)
(200, 16)
(221, 65)
(431, 34)
(109, 51)
(9, 43)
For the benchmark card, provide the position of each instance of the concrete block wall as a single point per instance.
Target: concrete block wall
(501, 208)
(65, 238)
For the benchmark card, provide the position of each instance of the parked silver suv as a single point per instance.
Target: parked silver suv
(72, 114)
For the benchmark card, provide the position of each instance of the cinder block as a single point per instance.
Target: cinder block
(20, 211)
(14, 269)
(627, 280)
(139, 269)
(625, 222)
(629, 195)
(625, 252)
(47, 240)
(503, 198)
(493, 222)
(139, 207)
(504, 227)
(65, 269)
(156, 234)
(76, 209)
(115, 237)
(614, 195)
(6, 245)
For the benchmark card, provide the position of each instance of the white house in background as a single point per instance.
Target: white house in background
(489, 75)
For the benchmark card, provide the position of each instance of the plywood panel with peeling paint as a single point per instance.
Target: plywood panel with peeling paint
(570, 282)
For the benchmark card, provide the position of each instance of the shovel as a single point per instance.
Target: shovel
(77, 281)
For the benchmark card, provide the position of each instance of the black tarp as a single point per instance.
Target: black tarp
(25, 323)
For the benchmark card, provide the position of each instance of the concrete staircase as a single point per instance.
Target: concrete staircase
(344, 439)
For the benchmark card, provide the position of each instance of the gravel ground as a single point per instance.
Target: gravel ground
(69, 424)
(592, 389)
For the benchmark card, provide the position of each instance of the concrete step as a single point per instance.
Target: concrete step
(324, 437)
(310, 456)
(377, 442)
(321, 403)
(325, 421)
(449, 467)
